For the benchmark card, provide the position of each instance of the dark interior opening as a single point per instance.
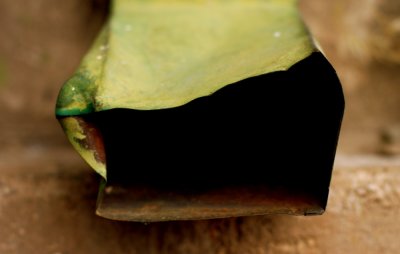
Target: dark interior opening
(278, 130)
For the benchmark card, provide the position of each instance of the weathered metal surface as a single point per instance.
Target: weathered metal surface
(211, 159)
(149, 203)
(238, 118)
(155, 55)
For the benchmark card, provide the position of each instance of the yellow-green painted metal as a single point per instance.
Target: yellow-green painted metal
(161, 54)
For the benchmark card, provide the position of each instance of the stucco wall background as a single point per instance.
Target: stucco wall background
(48, 194)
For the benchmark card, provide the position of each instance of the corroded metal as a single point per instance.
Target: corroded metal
(202, 110)
(147, 203)
(211, 158)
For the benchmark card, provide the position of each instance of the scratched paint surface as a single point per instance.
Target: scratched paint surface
(158, 54)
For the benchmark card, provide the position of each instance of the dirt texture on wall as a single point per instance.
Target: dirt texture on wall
(48, 194)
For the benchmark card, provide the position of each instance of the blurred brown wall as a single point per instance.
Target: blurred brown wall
(48, 194)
